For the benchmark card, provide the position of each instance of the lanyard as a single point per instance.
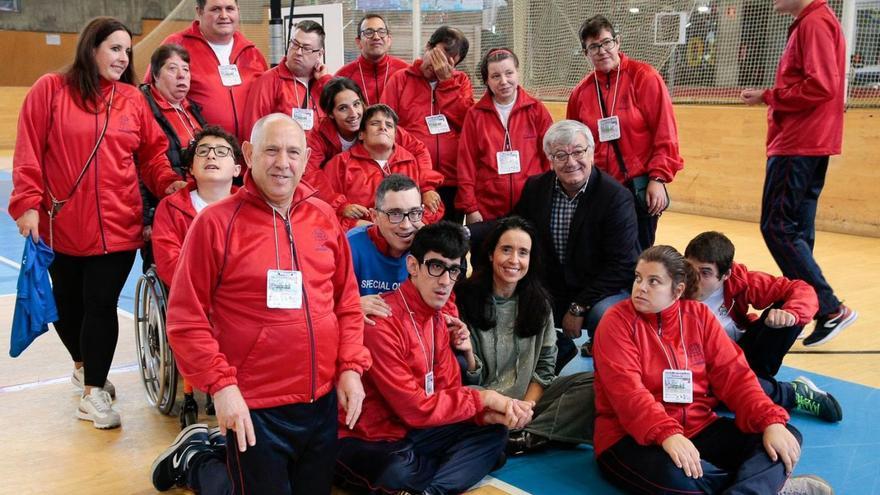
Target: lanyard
(364, 82)
(683, 347)
(289, 238)
(428, 365)
(599, 92)
(187, 124)
(296, 83)
(433, 88)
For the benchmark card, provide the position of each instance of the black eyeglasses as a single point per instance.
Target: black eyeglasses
(606, 44)
(397, 216)
(437, 268)
(221, 151)
(369, 32)
(562, 157)
(295, 47)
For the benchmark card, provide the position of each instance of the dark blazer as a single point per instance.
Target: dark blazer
(602, 240)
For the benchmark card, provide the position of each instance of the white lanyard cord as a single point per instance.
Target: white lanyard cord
(187, 124)
(296, 83)
(683, 347)
(364, 82)
(428, 365)
(613, 99)
(275, 230)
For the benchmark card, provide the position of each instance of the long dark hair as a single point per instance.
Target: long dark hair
(83, 74)
(472, 296)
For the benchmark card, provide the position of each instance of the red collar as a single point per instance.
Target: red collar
(420, 310)
(379, 241)
(809, 9)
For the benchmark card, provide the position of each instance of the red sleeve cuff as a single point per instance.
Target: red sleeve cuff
(221, 384)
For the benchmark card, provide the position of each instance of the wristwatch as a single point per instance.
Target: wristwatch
(576, 309)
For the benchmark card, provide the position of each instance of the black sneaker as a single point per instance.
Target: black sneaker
(813, 400)
(215, 438)
(828, 326)
(522, 442)
(170, 467)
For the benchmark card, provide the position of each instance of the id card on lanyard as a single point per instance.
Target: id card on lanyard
(304, 116)
(609, 127)
(284, 289)
(678, 384)
(437, 123)
(429, 358)
(508, 160)
(229, 75)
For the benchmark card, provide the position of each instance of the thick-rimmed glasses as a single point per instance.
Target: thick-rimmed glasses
(220, 151)
(397, 216)
(437, 268)
(369, 32)
(562, 157)
(607, 44)
(295, 47)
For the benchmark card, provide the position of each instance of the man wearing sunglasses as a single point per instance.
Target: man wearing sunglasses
(293, 87)
(371, 70)
(421, 430)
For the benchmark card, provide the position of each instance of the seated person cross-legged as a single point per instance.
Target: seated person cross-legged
(357, 172)
(513, 342)
(663, 363)
(421, 430)
(587, 226)
(729, 288)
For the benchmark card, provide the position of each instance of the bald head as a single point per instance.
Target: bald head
(276, 155)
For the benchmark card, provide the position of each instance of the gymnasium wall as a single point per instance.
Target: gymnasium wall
(723, 149)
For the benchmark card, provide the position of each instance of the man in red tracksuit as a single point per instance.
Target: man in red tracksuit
(432, 99)
(371, 70)
(729, 289)
(356, 173)
(293, 86)
(805, 126)
(223, 63)
(264, 314)
(422, 431)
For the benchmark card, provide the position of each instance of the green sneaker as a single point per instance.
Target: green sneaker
(812, 400)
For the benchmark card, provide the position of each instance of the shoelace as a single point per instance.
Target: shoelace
(101, 401)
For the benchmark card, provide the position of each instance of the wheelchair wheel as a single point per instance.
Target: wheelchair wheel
(155, 359)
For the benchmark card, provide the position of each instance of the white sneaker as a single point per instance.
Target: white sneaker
(806, 485)
(78, 380)
(96, 407)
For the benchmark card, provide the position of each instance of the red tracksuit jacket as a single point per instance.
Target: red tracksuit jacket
(482, 137)
(396, 400)
(357, 176)
(410, 95)
(629, 375)
(761, 290)
(277, 90)
(184, 123)
(649, 139)
(805, 115)
(221, 105)
(55, 139)
(219, 325)
(371, 76)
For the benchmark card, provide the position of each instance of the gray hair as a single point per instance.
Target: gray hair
(260, 125)
(564, 133)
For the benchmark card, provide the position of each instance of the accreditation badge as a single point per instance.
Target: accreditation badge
(609, 129)
(229, 75)
(678, 386)
(437, 124)
(508, 162)
(284, 289)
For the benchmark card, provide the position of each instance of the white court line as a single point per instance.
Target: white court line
(7, 261)
(39, 383)
(501, 485)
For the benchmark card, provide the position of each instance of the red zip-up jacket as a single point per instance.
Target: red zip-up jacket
(482, 137)
(356, 175)
(325, 143)
(396, 401)
(173, 217)
(55, 139)
(761, 290)
(805, 114)
(219, 325)
(410, 95)
(648, 136)
(183, 121)
(629, 375)
(221, 105)
(278, 90)
(371, 76)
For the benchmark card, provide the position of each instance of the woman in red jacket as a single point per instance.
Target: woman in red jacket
(662, 365)
(501, 141)
(76, 184)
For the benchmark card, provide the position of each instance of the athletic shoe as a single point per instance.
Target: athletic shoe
(813, 400)
(522, 442)
(170, 467)
(806, 485)
(78, 381)
(216, 438)
(96, 407)
(828, 326)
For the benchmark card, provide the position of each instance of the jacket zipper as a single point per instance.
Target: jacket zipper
(674, 363)
(98, 195)
(308, 313)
